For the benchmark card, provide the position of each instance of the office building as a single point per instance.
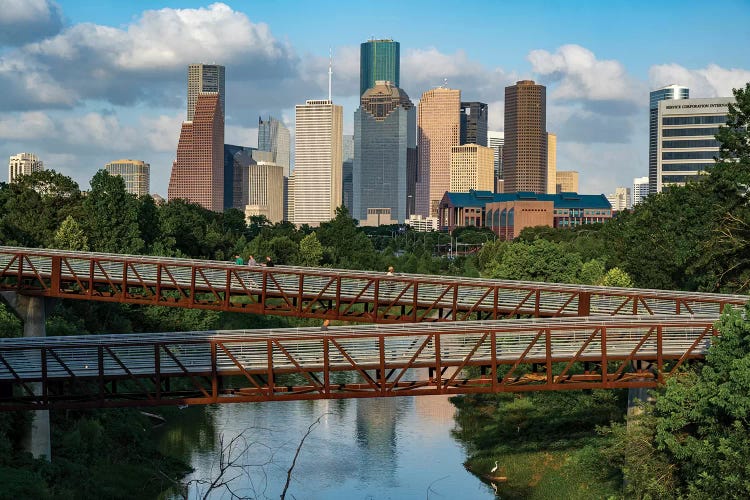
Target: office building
(384, 132)
(198, 171)
(422, 224)
(273, 136)
(379, 60)
(205, 78)
(670, 92)
(317, 161)
(265, 191)
(473, 123)
(472, 167)
(438, 130)
(135, 173)
(347, 169)
(551, 163)
(640, 189)
(686, 146)
(620, 199)
(23, 164)
(567, 181)
(495, 140)
(236, 161)
(525, 148)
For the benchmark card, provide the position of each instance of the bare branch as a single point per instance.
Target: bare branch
(296, 454)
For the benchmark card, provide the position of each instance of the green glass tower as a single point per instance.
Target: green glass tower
(379, 60)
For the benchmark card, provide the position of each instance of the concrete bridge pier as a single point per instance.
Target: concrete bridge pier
(33, 312)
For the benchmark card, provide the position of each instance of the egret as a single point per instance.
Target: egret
(494, 468)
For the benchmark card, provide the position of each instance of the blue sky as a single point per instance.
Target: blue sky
(89, 82)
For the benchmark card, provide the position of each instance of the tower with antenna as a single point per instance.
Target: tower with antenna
(330, 72)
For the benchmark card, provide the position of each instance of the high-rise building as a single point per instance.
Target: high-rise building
(620, 199)
(265, 191)
(472, 167)
(205, 78)
(236, 161)
(438, 130)
(496, 140)
(317, 161)
(640, 189)
(525, 148)
(686, 145)
(384, 132)
(567, 181)
(23, 164)
(379, 60)
(198, 171)
(473, 123)
(669, 92)
(135, 173)
(551, 163)
(273, 136)
(347, 169)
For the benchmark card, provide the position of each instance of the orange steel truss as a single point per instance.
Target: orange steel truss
(347, 362)
(325, 293)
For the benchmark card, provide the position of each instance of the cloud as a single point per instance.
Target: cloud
(711, 81)
(23, 21)
(575, 74)
(26, 126)
(143, 62)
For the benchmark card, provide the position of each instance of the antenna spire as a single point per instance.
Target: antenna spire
(330, 71)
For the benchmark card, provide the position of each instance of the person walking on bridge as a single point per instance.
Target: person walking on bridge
(251, 261)
(238, 259)
(269, 262)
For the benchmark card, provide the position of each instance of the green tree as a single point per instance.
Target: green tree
(616, 277)
(592, 272)
(310, 251)
(346, 245)
(538, 261)
(70, 236)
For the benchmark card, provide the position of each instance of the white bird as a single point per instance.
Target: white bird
(494, 468)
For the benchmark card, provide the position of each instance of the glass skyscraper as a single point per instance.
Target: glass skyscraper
(384, 144)
(662, 94)
(379, 60)
(473, 123)
(205, 78)
(273, 136)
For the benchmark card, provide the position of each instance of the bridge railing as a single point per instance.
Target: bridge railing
(347, 362)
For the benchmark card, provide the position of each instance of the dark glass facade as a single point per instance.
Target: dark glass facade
(379, 60)
(473, 123)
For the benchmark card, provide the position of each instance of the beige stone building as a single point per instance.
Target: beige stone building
(472, 167)
(265, 191)
(135, 173)
(525, 147)
(23, 164)
(438, 130)
(567, 181)
(317, 162)
(551, 163)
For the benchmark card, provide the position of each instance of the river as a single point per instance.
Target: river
(384, 448)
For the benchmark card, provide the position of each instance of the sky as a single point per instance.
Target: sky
(84, 83)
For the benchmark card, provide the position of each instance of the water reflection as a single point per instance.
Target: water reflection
(368, 448)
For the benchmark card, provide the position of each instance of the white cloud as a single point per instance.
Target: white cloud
(22, 21)
(577, 75)
(26, 126)
(711, 81)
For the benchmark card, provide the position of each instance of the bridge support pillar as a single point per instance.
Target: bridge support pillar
(638, 396)
(33, 313)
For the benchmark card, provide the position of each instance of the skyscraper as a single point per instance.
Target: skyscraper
(198, 172)
(472, 168)
(551, 163)
(23, 164)
(620, 199)
(567, 181)
(438, 130)
(379, 60)
(135, 173)
(265, 191)
(640, 189)
(205, 78)
(347, 169)
(496, 140)
(237, 159)
(384, 132)
(473, 123)
(525, 148)
(664, 93)
(273, 136)
(317, 162)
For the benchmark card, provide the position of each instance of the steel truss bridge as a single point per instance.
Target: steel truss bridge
(623, 338)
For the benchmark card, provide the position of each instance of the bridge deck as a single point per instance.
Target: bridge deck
(345, 362)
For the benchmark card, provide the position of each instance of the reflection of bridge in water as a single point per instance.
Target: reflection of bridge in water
(642, 337)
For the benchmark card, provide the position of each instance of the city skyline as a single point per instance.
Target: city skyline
(101, 82)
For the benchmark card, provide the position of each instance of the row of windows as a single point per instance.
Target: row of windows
(691, 167)
(693, 120)
(694, 143)
(677, 178)
(689, 155)
(681, 132)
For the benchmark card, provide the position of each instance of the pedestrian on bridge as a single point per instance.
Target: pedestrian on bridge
(238, 259)
(251, 261)
(390, 271)
(269, 262)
